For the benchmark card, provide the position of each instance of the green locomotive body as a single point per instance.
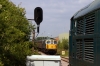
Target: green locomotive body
(84, 38)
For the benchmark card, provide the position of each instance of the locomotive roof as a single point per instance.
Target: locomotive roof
(89, 8)
(46, 39)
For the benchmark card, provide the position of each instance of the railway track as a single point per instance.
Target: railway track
(66, 59)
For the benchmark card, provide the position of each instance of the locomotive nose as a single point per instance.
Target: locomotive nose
(52, 46)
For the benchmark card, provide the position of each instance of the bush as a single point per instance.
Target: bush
(63, 44)
(15, 32)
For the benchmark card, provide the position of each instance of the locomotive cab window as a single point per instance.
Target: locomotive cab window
(55, 42)
(51, 41)
(48, 42)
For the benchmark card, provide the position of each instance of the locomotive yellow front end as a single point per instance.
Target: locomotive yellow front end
(51, 46)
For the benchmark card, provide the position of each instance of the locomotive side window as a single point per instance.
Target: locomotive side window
(75, 23)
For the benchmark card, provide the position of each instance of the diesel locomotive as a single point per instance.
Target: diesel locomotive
(84, 38)
(47, 45)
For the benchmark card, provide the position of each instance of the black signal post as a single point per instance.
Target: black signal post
(38, 16)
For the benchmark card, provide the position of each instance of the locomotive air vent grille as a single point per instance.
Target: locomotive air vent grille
(79, 47)
(80, 24)
(88, 50)
(89, 25)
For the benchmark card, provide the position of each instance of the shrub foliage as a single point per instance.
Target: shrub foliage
(14, 34)
(63, 44)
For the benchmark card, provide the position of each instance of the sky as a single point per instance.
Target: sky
(56, 14)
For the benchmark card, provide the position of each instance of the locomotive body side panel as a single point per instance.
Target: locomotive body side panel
(84, 38)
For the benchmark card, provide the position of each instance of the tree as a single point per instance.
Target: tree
(14, 35)
(60, 45)
(63, 44)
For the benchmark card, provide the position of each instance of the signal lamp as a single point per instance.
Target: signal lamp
(38, 15)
